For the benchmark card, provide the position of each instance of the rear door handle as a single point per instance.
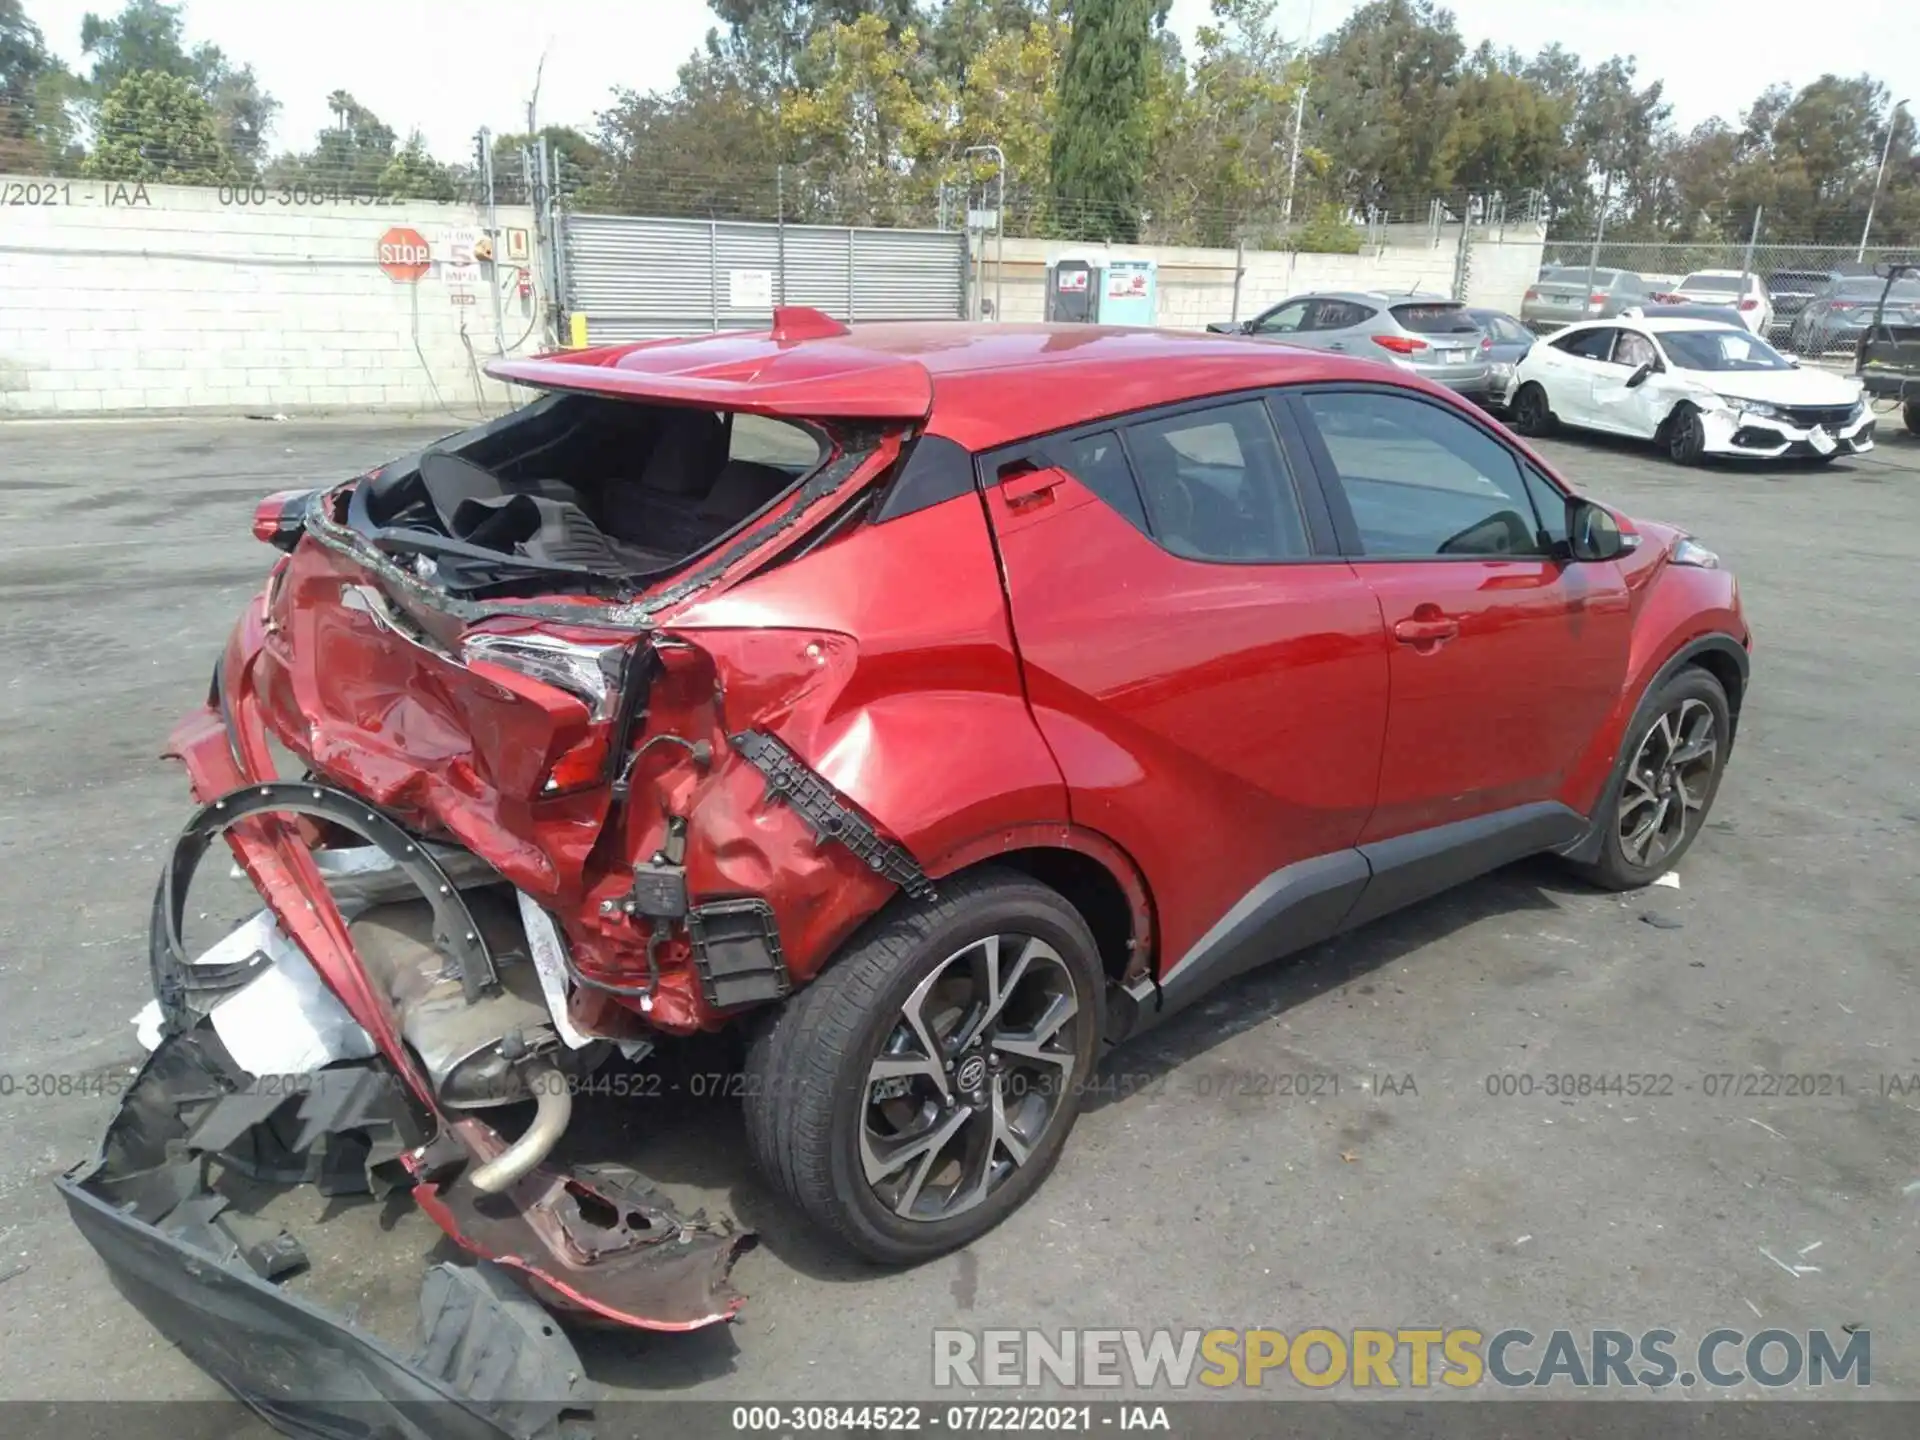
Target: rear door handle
(1024, 486)
(1426, 629)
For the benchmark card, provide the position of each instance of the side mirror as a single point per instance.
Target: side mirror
(1640, 376)
(1228, 327)
(1592, 532)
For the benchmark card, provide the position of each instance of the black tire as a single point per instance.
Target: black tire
(1615, 868)
(809, 1086)
(1910, 413)
(1686, 437)
(1530, 413)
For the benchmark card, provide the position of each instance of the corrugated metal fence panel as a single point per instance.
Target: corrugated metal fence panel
(640, 277)
(754, 249)
(817, 274)
(907, 274)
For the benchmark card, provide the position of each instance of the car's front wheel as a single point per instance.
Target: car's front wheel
(1660, 797)
(1686, 436)
(921, 1088)
(1532, 415)
(1910, 412)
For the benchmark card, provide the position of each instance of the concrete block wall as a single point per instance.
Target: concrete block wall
(123, 299)
(1196, 286)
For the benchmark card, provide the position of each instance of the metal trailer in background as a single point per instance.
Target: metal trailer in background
(639, 277)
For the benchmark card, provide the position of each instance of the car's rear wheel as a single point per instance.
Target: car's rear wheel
(1910, 413)
(1686, 436)
(1532, 415)
(1660, 796)
(919, 1090)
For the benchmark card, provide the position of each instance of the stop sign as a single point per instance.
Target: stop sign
(404, 254)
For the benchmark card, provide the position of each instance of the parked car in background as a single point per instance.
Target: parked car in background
(1838, 316)
(1431, 336)
(1697, 387)
(1888, 361)
(1577, 293)
(1686, 310)
(1507, 341)
(1792, 289)
(1743, 291)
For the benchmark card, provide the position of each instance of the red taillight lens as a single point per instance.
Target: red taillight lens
(1486, 342)
(585, 764)
(1749, 304)
(1596, 299)
(279, 519)
(1533, 292)
(1399, 344)
(1842, 305)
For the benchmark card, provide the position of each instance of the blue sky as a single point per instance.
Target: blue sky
(449, 68)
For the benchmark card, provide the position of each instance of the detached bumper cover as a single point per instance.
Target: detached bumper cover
(486, 1365)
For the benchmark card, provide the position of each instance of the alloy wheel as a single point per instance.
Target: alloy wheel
(978, 1064)
(1669, 783)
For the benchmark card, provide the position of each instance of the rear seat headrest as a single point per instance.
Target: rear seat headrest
(687, 455)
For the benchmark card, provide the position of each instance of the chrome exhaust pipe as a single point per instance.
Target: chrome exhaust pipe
(553, 1108)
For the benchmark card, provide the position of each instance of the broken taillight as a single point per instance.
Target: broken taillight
(279, 519)
(594, 674)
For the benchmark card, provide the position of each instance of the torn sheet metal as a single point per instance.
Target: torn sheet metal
(285, 1021)
(550, 964)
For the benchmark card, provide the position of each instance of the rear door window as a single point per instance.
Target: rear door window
(1098, 462)
(1217, 486)
(1283, 319)
(1437, 317)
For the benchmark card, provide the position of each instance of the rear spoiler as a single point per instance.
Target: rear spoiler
(807, 366)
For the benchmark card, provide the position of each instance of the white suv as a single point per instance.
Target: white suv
(1744, 291)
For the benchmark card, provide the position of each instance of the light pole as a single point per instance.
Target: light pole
(1893, 121)
(1299, 115)
(999, 219)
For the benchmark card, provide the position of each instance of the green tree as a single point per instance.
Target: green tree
(1504, 132)
(764, 45)
(1382, 101)
(1223, 140)
(1008, 96)
(868, 127)
(708, 147)
(413, 174)
(155, 126)
(1099, 150)
(36, 130)
(149, 36)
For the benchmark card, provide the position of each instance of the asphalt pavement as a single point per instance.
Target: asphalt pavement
(1409, 1188)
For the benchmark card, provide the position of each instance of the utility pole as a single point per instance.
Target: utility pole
(999, 220)
(1599, 229)
(1299, 116)
(1893, 121)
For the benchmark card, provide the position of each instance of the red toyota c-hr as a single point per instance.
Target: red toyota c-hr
(940, 703)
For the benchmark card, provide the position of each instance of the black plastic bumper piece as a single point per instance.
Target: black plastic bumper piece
(736, 949)
(489, 1363)
(828, 815)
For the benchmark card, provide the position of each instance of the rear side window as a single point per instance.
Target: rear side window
(1098, 462)
(1217, 486)
(1340, 315)
(1587, 344)
(1434, 318)
(1422, 483)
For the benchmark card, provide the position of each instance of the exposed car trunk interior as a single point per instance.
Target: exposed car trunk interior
(583, 486)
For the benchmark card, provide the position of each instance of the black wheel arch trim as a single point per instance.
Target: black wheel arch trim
(1587, 848)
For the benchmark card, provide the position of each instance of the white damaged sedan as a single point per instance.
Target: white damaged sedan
(1698, 387)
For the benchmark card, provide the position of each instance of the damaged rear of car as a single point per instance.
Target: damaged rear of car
(545, 805)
